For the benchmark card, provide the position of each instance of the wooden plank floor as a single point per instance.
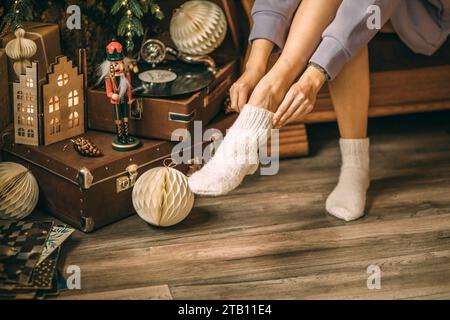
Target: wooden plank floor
(272, 239)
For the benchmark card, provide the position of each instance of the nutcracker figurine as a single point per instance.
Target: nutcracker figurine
(118, 89)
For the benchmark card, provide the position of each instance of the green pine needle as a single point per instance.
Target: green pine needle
(19, 12)
(135, 8)
(130, 26)
(116, 7)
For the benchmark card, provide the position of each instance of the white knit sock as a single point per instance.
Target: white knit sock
(348, 199)
(237, 155)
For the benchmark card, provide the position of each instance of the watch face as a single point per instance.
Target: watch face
(153, 51)
(158, 76)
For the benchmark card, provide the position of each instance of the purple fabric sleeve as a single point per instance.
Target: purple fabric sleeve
(272, 20)
(348, 33)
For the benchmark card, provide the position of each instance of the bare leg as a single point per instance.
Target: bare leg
(350, 95)
(311, 19)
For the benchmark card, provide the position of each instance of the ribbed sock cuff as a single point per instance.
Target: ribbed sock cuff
(355, 152)
(254, 118)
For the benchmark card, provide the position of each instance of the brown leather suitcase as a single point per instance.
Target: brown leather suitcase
(89, 193)
(158, 118)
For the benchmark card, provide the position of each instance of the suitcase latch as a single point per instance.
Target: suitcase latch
(85, 178)
(126, 182)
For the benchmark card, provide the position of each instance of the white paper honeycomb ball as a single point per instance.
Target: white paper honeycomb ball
(19, 191)
(162, 197)
(198, 27)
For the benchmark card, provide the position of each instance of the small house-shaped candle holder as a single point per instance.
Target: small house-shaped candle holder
(46, 113)
(26, 103)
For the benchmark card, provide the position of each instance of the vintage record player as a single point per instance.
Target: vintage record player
(174, 89)
(159, 77)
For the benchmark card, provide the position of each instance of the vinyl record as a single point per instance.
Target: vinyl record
(171, 79)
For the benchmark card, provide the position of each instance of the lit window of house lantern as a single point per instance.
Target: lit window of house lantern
(55, 126)
(52, 124)
(63, 79)
(53, 104)
(73, 98)
(20, 107)
(19, 95)
(30, 83)
(30, 121)
(30, 109)
(74, 120)
(21, 132)
(77, 119)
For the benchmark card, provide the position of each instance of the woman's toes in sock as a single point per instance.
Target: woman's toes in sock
(237, 156)
(348, 199)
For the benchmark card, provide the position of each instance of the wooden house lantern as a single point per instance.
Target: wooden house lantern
(52, 111)
(63, 102)
(26, 104)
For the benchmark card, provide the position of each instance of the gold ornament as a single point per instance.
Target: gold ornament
(162, 197)
(198, 27)
(19, 191)
(21, 50)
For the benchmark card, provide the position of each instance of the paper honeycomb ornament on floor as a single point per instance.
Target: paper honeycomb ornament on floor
(19, 191)
(162, 197)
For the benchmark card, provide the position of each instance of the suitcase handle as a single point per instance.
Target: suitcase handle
(182, 118)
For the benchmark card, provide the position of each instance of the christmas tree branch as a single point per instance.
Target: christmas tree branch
(19, 12)
(130, 25)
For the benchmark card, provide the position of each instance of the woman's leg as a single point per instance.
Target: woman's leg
(350, 93)
(237, 156)
(310, 20)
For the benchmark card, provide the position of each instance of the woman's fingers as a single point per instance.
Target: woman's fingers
(234, 97)
(239, 95)
(302, 111)
(242, 97)
(296, 104)
(284, 106)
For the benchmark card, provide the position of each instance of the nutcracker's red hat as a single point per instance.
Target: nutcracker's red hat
(114, 51)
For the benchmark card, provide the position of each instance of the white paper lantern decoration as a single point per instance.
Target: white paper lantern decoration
(162, 197)
(198, 27)
(20, 50)
(19, 191)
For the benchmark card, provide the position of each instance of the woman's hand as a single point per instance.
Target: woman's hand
(242, 89)
(301, 97)
(255, 69)
(269, 93)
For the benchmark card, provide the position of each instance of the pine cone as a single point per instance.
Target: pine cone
(86, 148)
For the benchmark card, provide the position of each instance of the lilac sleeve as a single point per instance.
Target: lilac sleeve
(272, 20)
(349, 32)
